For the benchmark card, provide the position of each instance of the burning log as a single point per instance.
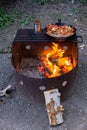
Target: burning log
(51, 64)
(54, 60)
(65, 64)
(43, 68)
(64, 61)
(51, 68)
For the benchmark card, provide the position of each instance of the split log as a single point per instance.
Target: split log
(53, 107)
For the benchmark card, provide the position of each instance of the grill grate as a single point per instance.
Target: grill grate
(29, 35)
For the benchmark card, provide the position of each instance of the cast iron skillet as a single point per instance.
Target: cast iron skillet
(59, 23)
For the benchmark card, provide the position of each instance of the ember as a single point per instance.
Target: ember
(52, 62)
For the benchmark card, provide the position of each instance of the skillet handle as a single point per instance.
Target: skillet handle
(59, 21)
(79, 39)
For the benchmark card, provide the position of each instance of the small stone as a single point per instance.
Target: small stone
(66, 128)
(73, 1)
(80, 110)
(80, 65)
(29, 104)
(72, 106)
(70, 14)
(21, 83)
(75, 20)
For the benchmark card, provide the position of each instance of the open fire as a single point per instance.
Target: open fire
(54, 63)
(51, 62)
(41, 63)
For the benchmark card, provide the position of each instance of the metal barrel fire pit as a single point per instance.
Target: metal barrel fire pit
(41, 64)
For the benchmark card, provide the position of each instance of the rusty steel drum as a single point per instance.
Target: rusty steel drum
(32, 88)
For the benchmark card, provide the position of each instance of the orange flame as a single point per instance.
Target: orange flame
(54, 63)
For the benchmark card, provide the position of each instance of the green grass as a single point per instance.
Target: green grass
(5, 18)
(82, 1)
(42, 2)
(52, 1)
(26, 20)
(39, 1)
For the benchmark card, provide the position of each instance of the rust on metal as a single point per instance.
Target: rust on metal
(31, 87)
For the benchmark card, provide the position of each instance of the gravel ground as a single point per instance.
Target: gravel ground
(18, 115)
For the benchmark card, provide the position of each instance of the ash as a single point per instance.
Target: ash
(29, 67)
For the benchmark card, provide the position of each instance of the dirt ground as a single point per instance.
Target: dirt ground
(19, 116)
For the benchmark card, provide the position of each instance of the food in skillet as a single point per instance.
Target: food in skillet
(59, 31)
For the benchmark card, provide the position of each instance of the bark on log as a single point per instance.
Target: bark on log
(53, 107)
